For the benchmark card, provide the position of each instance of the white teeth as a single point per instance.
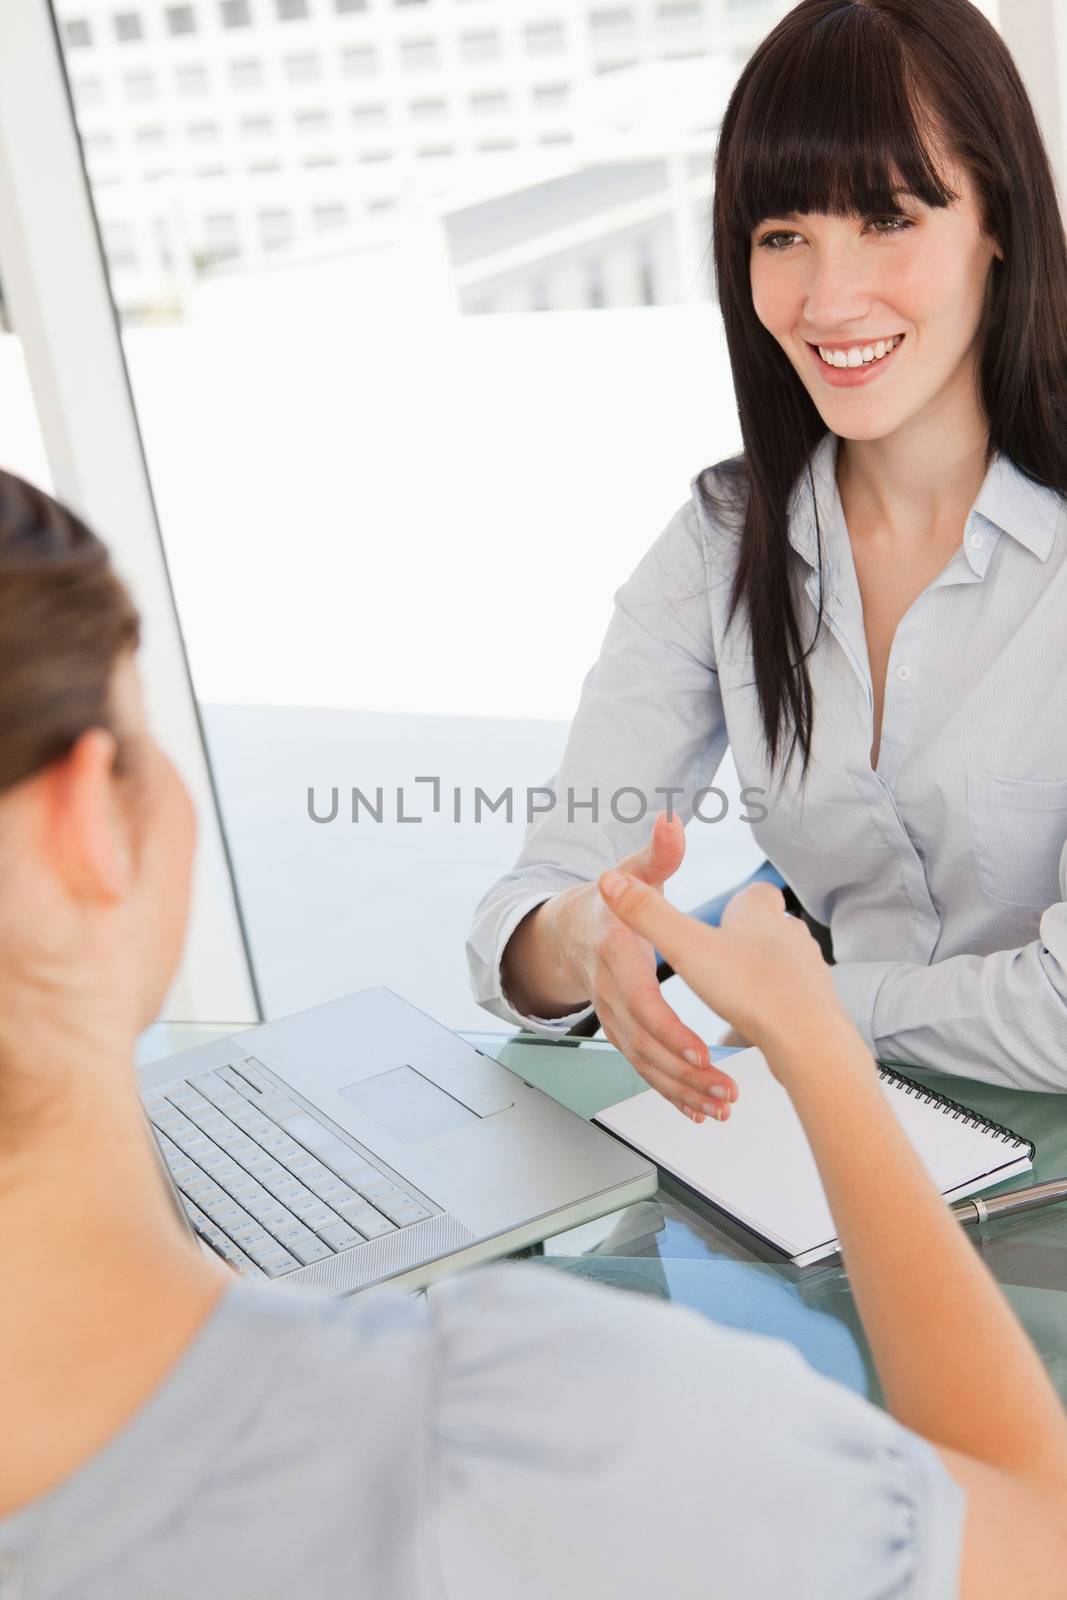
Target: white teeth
(859, 355)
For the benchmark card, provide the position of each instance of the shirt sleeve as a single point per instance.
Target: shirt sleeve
(1001, 1017)
(591, 1441)
(649, 726)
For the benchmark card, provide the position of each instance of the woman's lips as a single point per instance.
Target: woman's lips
(853, 377)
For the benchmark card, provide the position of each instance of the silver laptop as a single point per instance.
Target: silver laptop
(360, 1142)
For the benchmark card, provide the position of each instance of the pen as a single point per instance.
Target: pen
(1009, 1205)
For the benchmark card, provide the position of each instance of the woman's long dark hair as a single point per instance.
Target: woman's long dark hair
(836, 105)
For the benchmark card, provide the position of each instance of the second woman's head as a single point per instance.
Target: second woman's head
(96, 827)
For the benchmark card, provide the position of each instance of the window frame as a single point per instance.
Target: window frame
(56, 284)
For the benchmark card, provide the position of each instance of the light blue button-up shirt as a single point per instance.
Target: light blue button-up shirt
(517, 1433)
(942, 872)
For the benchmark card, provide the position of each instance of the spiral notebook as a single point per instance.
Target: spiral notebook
(758, 1168)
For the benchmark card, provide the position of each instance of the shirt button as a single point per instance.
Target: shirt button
(976, 541)
(903, 672)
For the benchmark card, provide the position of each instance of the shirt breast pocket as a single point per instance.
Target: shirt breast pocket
(1018, 829)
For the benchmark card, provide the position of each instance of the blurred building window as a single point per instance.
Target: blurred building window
(88, 92)
(419, 55)
(617, 19)
(128, 26)
(77, 33)
(235, 14)
(551, 94)
(481, 46)
(275, 227)
(369, 116)
(304, 68)
(291, 10)
(360, 61)
(222, 234)
(180, 20)
(191, 79)
(329, 216)
(544, 38)
(139, 86)
(428, 110)
(492, 102)
(246, 73)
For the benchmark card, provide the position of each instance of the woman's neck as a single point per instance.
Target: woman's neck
(103, 1288)
(917, 484)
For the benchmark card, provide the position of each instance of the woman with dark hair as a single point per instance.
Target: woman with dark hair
(866, 606)
(170, 1431)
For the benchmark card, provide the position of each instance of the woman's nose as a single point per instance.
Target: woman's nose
(839, 291)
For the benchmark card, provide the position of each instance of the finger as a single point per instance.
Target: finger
(759, 897)
(675, 1079)
(679, 938)
(717, 1110)
(662, 855)
(637, 999)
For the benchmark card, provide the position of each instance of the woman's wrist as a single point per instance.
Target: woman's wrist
(536, 970)
(799, 1048)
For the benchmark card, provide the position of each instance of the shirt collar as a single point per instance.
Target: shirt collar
(1009, 500)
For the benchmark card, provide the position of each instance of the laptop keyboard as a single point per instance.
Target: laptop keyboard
(268, 1186)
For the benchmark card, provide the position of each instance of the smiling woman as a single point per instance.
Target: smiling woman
(889, 550)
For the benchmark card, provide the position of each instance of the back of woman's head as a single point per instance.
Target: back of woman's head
(65, 618)
(842, 102)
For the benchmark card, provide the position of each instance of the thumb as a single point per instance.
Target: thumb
(682, 939)
(662, 855)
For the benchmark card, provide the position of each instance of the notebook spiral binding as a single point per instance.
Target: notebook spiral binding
(960, 1113)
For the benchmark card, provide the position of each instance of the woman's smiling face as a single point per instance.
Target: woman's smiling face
(847, 283)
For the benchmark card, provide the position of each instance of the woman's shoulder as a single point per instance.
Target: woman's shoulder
(718, 498)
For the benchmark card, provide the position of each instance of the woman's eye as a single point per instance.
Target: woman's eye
(896, 224)
(768, 240)
(781, 237)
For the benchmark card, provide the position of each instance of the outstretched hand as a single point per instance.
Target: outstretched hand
(760, 969)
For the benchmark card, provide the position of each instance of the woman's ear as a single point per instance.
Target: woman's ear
(87, 826)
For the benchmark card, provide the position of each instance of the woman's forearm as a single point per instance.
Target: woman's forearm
(534, 971)
(954, 1363)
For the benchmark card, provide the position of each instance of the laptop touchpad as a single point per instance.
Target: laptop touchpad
(407, 1105)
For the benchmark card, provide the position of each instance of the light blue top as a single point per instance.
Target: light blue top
(515, 1433)
(941, 873)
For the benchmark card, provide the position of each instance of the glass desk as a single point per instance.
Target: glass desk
(675, 1247)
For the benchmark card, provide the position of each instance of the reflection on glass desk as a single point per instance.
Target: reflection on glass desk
(675, 1247)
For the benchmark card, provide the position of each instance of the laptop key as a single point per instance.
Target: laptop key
(273, 1259)
(339, 1236)
(404, 1211)
(310, 1253)
(370, 1223)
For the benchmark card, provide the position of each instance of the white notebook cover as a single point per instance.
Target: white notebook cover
(758, 1166)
